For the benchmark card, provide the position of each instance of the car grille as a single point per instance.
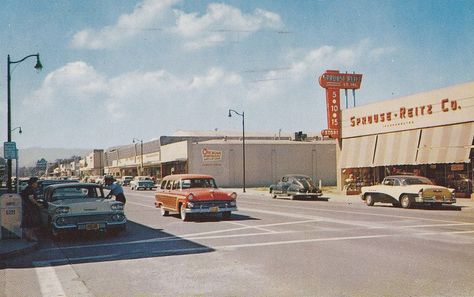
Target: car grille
(209, 204)
(88, 218)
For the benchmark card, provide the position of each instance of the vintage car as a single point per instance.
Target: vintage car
(407, 190)
(80, 206)
(295, 186)
(126, 180)
(142, 182)
(190, 194)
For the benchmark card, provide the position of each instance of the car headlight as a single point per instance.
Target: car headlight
(118, 217)
(62, 210)
(117, 206)
(420, 193)
(190, 205)
(233, 195)
(233, 203)
(190, 197)
(61, 221)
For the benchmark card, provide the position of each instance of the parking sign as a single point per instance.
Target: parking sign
(9, 150)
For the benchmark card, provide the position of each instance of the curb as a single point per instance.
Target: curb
(24, 248)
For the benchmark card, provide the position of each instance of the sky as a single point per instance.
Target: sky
(115, 70)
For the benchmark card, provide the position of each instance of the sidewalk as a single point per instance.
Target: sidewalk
(14, 247)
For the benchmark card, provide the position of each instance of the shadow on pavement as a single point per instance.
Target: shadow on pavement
(426, 207)
(137, 241)
(203, 218)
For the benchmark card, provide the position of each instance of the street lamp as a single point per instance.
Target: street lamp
(141, 154)
(38, 67)
(243, 142)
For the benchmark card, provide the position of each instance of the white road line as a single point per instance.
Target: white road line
(52, 285)
(252, 227)
(246, 245)
(349, 212)
(49, 283)
(69, 285)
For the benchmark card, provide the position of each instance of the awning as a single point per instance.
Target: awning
(398, 148)
(357, 152)
(447, 144)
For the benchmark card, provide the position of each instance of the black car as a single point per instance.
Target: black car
(295, 186)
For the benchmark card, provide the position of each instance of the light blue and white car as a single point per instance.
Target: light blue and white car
(80, 207)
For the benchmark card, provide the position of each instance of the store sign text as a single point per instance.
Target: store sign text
(211, 155)
(404, 113)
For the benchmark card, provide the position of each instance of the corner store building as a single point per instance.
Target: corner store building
(429, 133)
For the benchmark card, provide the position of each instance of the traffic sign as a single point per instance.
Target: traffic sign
(9, 150)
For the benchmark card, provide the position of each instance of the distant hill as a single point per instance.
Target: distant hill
(29, 156)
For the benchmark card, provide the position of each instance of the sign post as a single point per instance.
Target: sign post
(333, 81)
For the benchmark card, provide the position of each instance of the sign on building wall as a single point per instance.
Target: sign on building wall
(435, 108)
(211, 155)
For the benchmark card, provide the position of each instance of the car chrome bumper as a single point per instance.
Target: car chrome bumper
(210, 210)
(82, 226)
(434, 200)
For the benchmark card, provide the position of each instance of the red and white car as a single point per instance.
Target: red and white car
(190, 194)
(407, 190)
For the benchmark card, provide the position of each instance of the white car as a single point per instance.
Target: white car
(80, 207)
(407, 190)
(142, 182)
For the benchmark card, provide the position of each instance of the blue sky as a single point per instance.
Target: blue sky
(115, 70)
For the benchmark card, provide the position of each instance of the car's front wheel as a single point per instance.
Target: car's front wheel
(406, 201)
(369, 200)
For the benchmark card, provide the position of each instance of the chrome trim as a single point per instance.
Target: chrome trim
(206, 210)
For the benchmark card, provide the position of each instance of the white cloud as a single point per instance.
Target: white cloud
(215, 27)
(76, 81)
(220, 20)
(144, 16)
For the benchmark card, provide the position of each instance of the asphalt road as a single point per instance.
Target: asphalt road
(270, 247)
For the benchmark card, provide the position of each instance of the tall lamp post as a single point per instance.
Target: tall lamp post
(243, 142)
(38, 67)
(141, 154)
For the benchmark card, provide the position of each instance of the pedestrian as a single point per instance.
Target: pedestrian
(115, 189)
(31, 218)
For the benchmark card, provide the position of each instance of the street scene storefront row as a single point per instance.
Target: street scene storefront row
(429, 134)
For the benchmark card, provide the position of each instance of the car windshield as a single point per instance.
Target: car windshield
(198, 183)
(305, 181)
(76, 192)
(416, 181)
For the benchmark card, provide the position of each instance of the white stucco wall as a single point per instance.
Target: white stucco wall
(265, 162)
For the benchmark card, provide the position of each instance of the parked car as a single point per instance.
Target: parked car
(295, 186)
(190, 194)
(406, 190)
(126, 179)
(80, 206)
(140, 182)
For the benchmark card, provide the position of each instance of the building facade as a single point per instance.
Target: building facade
(266, 161)
(430, 134)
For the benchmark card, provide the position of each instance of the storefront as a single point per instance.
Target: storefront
(430, 134)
